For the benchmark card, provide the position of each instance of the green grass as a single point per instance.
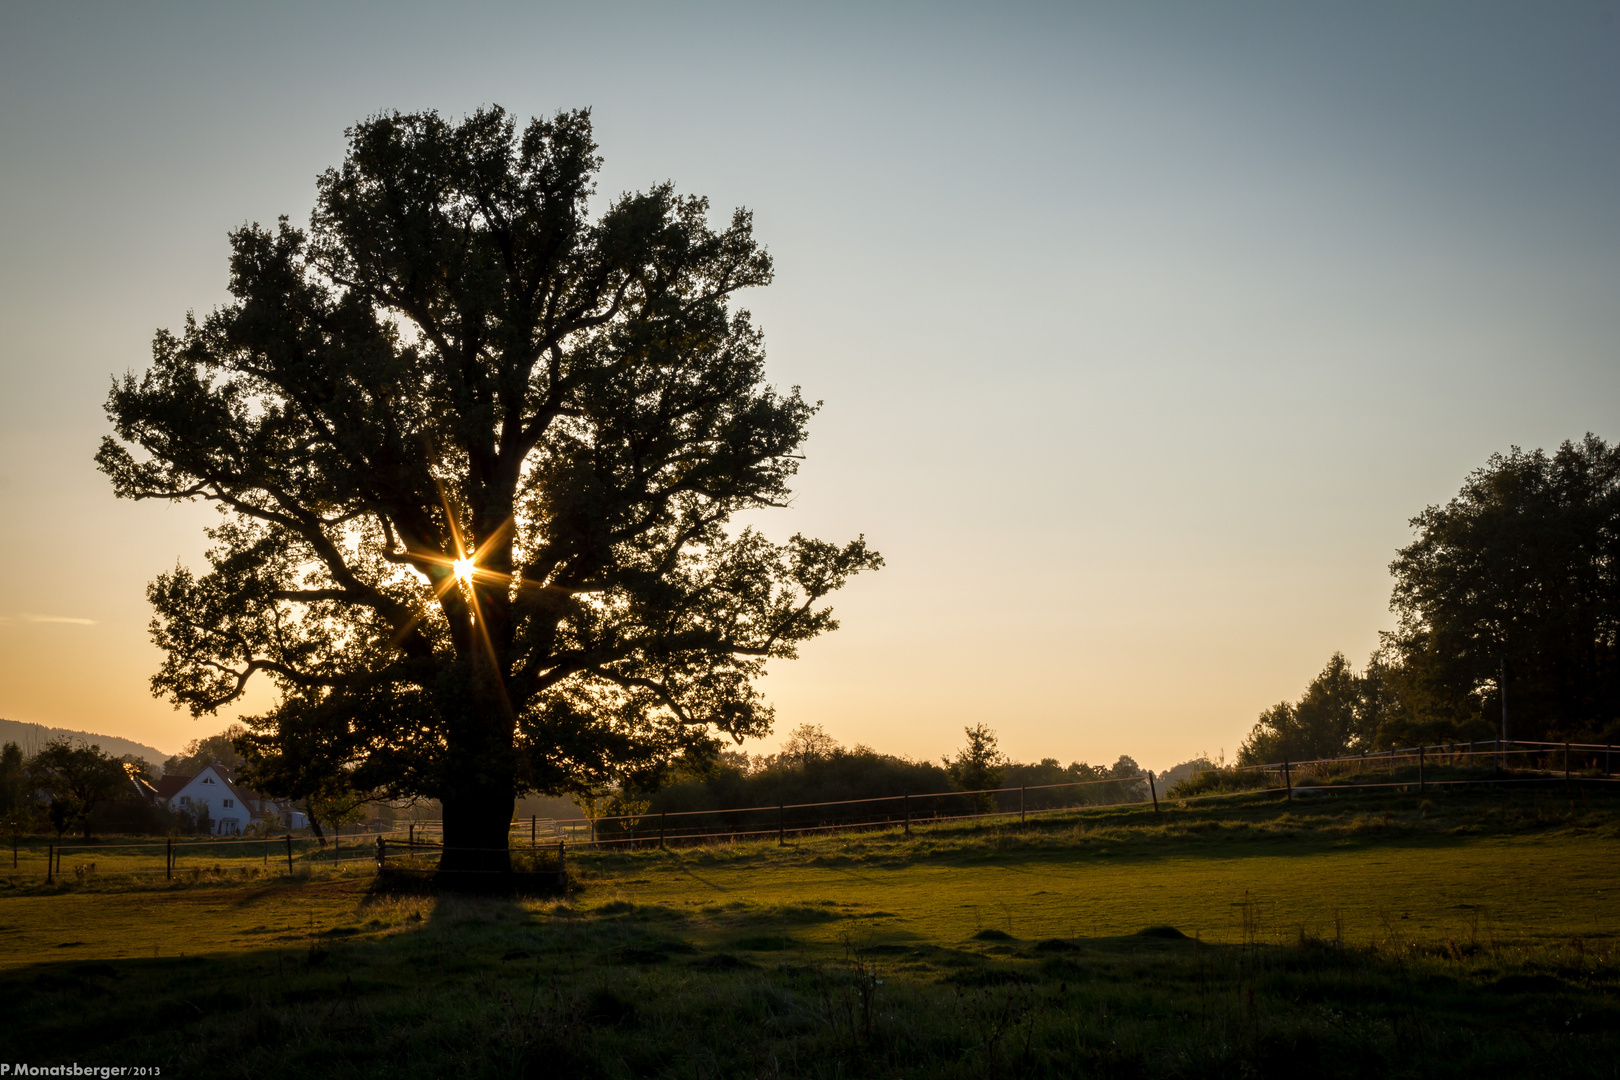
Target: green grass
(1462, 934)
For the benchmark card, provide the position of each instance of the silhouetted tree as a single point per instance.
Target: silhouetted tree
(13, 779)
(1323, 724)
(979, 764)
(477, 456)
(808, 743)
(79, 777)
(1522, 566)
(201, 752)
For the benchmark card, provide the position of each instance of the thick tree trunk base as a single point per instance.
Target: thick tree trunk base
(400, 882)
(477, 856)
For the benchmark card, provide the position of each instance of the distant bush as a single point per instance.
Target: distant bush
(128, 815)
(832, 775)
(813, 768)
(1104, 785)
(1219, 781)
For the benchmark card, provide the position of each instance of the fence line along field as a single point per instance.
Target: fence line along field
(415, 842)
(1460, 931)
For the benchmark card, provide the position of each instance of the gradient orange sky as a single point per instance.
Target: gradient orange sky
(1142, 329)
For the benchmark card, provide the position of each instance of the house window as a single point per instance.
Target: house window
(185, 800)
(208, 779)
(230, 802)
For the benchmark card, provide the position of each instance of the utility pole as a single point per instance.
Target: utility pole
(1501, 683)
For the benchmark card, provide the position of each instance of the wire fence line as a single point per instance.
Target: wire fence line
(540, 846)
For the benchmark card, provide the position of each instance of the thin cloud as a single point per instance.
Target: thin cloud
(32, 618)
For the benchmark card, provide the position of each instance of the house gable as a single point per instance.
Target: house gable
(212, 787)
(230, 806)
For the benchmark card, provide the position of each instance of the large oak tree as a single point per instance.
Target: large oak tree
(477, 458)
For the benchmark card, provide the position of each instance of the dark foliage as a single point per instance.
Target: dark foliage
(201, 752)
(13, 780)
(1520, 571)
(78, 778)
(476, 456)
(1330, 718)
(813, 768)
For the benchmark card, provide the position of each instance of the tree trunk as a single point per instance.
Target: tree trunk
(479, 789)
(477, 825)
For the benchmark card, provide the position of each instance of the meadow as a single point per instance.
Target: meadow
(1465, 933)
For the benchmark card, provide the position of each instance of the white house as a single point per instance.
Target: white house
(231, 807)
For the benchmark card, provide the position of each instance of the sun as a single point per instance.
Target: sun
(464, 570)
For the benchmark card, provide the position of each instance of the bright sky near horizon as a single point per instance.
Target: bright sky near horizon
(1142, 329)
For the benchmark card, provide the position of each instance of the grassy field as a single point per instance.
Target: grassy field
(1464, 934)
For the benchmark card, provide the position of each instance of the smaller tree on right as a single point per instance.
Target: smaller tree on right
(1519, 574)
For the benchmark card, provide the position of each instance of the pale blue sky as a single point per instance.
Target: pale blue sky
(1142, 329)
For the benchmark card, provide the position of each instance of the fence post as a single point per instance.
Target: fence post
(1154, 791)
(50, 863)
(1288, 781)
(1020, 804)
(410, 839)
(1421, 749)
(906, 800)
(382, 853)
(1608, 753)
(781, 825)
(534, 830)
(662, 815)
(168, 858)
(289, 854)
(562, 854)
(1566, 764)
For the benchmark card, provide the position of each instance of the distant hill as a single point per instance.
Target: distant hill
(33, 737)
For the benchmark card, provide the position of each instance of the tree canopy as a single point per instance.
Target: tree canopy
(979, 764)
(202, 752)
(79, 777)
(477, 457)
(1329, 719)
(1519, 572)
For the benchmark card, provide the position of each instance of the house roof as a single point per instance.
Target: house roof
(169, 786)
(239, 788)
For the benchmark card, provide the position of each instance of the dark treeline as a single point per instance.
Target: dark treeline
(813, 768)
(71, 785)
(1510, 595)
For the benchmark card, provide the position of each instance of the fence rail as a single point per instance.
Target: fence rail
(417, 846)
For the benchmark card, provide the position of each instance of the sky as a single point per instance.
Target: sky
(1142, 330)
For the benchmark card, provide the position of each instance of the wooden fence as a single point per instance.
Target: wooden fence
(541, 845)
